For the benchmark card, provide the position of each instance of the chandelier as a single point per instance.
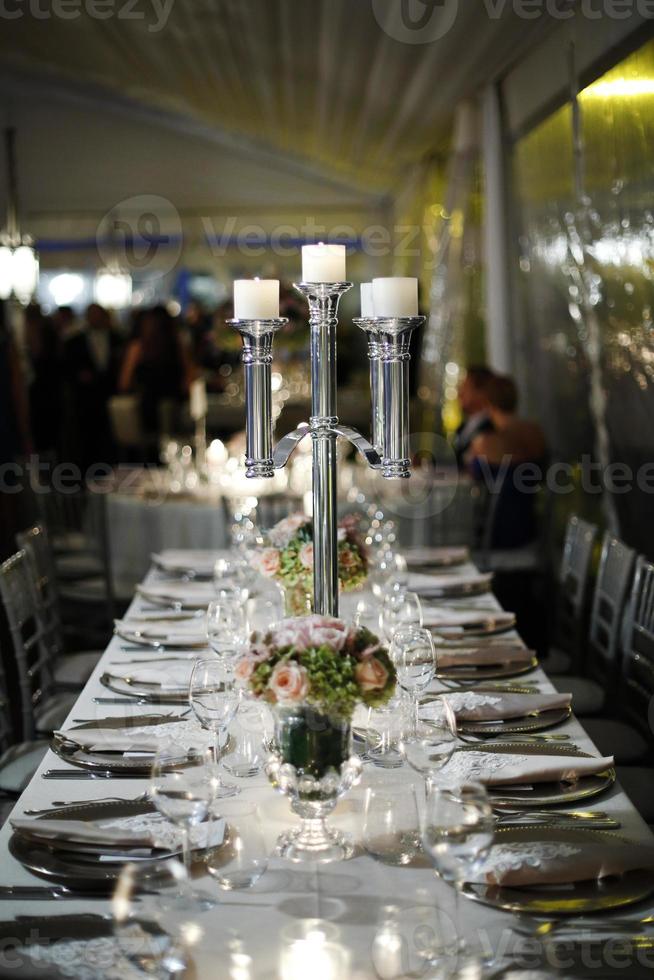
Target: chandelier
(19, 263)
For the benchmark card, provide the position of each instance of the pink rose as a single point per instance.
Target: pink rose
(326, 631)
(306, 555)
(347, 559)
(268, 562)
(244, 668)
(371, 675)
(369, 651)
(289, 682)
(284, 531)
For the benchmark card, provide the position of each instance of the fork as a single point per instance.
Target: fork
(142, 798)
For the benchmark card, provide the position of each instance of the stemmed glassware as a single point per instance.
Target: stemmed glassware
(400, 609)
(215, 698)
(233, 575)
(183, 791)
(243, 858)
(227, 627)
(430, 751)
(414, 656)
(457, 833)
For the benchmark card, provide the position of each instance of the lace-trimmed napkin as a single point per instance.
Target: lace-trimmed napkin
(557, 862)
(193, 595)
(484, 656)
(502, 769)
(186, 734)
(435, 617)
(181, 633)
(87, 959)
(473, 706)
(143, 832)
(427, 585)
(180, 559)
(169, 677)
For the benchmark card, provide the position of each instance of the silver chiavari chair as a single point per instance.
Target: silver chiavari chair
(18, 760)
(567, 649)
(71, 670)
(43, 708)
(629, 736)
(602, 666)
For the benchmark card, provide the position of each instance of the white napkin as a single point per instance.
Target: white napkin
(442, 617)
(192, 595)
(182, 559)
(437, 584)
(436, 556)
(143, 831)
(494, 706)
(170, 677)
(190, 632)
(499, 768)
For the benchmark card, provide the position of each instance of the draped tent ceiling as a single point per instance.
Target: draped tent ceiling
(282, 105)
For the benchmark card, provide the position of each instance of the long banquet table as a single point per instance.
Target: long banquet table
(351, 895)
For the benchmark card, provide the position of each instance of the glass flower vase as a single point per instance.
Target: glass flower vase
(313, 766)
(297, 599)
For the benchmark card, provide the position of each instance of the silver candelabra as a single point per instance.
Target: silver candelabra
(389, 340)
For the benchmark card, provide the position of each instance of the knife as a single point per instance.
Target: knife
(87, 774)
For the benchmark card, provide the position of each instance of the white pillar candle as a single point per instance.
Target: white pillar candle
(323, 263)
(198, 399)
(256, 299)
(367, 305)
(395, 297)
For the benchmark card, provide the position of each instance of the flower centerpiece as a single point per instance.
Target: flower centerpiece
(288, 559)
(313, 671)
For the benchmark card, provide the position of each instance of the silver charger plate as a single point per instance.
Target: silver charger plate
(67, 750)
(535, 722)
(77, 866)
(171, 601)
(573, 898)
(487, 672)
(543, 794)
(437, 557)
(139, 638)
(149, 692)
(488, 624)
(455, 589)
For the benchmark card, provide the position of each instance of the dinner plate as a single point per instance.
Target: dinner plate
(147, 691)
(158, 639)
(486, 672)
(456, 588)
(534, 722)
(436, 557)
(543, 794)
(170, 598)
(575, 898)
(198, 565)
(487, 625)
(20, 936)
(75, 866)
(108, 761)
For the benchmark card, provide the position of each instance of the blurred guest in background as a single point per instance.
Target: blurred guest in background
(65, 323)
(494, 458)
(157, 367)
(473, 402)
(199, 330)
(44, 380)
(91, 359)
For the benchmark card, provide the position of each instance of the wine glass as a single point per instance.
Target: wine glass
(390, 824)
(233, 575)
(414, 656)
(400, 609)
(227, 627)
(252, 736)
(430, 751)
(367, 614)
(182, 791)
(457, 833)
(243, 857)
(152, 926)
(215, 698)
(384, 567)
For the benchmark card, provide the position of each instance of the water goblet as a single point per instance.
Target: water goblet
(252, 736)
(457, 833)
(243, 857)
(385, 733)
(400, 609)
(391, 829)
(215, 698)
(414, 656)
(227, 627)
(367, 614)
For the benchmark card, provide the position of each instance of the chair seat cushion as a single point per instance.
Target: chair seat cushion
(18, 764)
(638, 784)
(556, 661)
(74, 669)
(52, 715)
(616, 738)
(587, 696)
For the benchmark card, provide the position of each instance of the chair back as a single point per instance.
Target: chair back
(609, 602)
(36, 545)
(6, 725)
(28, 636)
(572, 591)
(636, 694)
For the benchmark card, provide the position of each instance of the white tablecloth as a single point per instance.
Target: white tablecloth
(351, 895)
